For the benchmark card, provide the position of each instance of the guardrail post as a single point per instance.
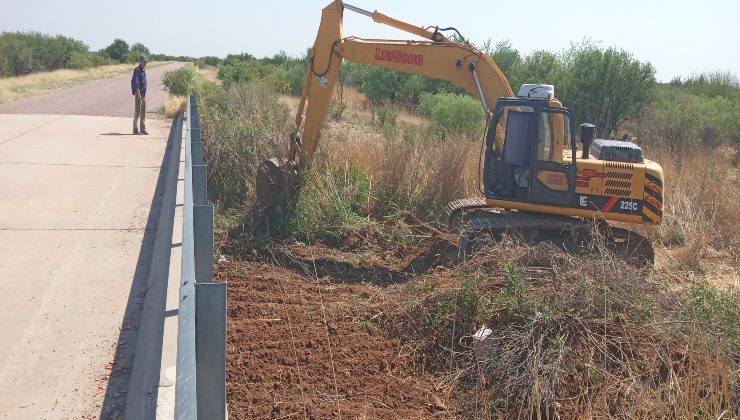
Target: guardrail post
(196, 150)
(203, 236)
(210, 349)
(200, 184)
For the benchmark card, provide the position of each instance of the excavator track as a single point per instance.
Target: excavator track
(456, 209)
(475, 223)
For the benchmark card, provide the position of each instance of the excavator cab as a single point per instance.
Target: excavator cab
(530, 152)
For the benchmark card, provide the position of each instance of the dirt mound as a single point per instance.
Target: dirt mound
(299, 346)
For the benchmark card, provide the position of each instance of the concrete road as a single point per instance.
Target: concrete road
(75, 204)
(110, 97)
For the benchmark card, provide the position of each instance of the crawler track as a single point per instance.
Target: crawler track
(474, 222)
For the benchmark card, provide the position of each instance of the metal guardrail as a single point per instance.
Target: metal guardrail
(200, 390)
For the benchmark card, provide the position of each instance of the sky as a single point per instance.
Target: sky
(678, 37)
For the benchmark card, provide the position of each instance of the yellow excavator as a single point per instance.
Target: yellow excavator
(534, 181)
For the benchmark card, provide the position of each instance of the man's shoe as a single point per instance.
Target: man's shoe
(136, 132)
(144, 132)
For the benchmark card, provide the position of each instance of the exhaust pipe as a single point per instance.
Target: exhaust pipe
(587, 137)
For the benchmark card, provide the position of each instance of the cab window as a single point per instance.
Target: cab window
(545, 136)
(553, 136)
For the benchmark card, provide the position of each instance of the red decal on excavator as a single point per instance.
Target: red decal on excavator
(398, 56)
(609, 204)
(592, 173)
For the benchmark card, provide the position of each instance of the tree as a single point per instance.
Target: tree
(507, 59)
(138, 48)
(541, 67)
(606, 87)
(380, 84)
(117, 50)
(18, 56)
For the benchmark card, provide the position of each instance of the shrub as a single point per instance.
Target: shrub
(27, 52)
(387, 114)
(717, 83)
(330, 205)
(454, 114)
(180, 82)
(718, 313)
(239, 71)
(380, 84)
(242, 125)
(288, 77)
(686, 119)
(80, 60)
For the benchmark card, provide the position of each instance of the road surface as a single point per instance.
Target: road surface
(109, 97)
(75, 226)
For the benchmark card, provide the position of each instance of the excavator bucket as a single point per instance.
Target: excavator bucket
(274, 179)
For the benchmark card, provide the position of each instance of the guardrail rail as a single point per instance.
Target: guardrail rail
(200, 391)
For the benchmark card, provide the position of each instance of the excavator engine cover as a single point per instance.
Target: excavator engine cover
(617, 151)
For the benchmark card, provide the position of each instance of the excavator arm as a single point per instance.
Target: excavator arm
(459, 63)
(435, 56)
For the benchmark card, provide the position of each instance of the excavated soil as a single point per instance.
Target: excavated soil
(298, 346)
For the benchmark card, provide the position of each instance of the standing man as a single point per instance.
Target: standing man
(138, 89)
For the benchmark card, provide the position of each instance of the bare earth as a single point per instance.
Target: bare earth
(110, 98)
(75, 195)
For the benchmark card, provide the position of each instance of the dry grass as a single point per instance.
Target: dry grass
(209, 73)
(14, 88)
(174, 105)
(571, 337)
(701, 232)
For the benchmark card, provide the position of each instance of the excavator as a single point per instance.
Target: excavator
(534, 181)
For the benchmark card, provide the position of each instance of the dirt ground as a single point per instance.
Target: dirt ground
(298, 347)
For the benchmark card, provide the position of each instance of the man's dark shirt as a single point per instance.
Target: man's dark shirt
(138, 81)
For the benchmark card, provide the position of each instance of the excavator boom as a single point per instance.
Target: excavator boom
(435, 56)
(459, 63)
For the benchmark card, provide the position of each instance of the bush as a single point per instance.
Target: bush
(27, 52)
(242, 125)
(240, 71)
(702, 109)
(718, 313)
(288, 77)
(80, 60)
(180, 82)
(717, 83)
(687, 119)
(454, 114)
(331, 205)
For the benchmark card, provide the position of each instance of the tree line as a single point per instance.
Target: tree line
(605, 86)
(29, 52)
